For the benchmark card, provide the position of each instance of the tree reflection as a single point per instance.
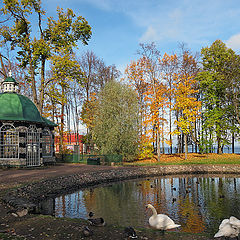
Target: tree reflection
(197, 203)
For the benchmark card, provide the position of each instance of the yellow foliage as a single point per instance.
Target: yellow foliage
(145, 149)
(186, 103)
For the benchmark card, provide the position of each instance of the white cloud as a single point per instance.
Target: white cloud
(150, 35)
(195, 22)
(234, 42)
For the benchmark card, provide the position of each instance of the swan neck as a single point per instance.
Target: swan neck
(154, 211)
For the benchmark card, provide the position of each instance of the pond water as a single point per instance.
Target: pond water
(197, 203)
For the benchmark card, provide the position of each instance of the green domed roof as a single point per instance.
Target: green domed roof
(17, 107)
(10, 79)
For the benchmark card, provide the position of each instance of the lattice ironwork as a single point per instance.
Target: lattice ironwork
(33, 147)
(47, 150)
(9, 142)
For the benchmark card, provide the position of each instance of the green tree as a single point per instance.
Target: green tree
(215, 83)
(33, 50)
(96, 75)
(115, 127)
(30, 51)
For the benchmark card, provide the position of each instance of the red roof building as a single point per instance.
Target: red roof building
(70, 140)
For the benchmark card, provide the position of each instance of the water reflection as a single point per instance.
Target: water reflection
(197, 203)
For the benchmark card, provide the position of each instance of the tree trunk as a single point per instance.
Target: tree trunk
(186, 146)
(3, 72)
(233, 139)
(158, 147)
(210, 148)
(42, 87)
(182, 142)
(162, 137)
(170, 119)
(179, 143)
(219, 148)
(34, 89)
(62, 123)
(196, 137)
(170, 130)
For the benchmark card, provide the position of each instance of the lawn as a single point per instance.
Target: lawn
(192, 158)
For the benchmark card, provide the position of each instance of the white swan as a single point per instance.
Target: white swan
(160, 221)
(229, 228)
(234, 221)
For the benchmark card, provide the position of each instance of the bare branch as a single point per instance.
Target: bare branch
(5, 20)
(3, 72)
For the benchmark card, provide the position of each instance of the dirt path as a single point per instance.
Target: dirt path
(14, 177)
(47, 227)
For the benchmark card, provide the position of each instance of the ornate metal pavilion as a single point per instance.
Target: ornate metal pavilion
(26, 138)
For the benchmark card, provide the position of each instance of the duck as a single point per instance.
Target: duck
(229, 228)
(160, 221)
(95, 221)
(87, 232)
(19, 212)
(98, 222)
(130, 233)
(91, 214)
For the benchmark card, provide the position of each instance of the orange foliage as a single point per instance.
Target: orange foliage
(89, 110)
(164, 85)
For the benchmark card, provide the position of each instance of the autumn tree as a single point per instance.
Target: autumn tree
(64, 70)
(115, 127)
(156, 101)
(135, 74)
(152, 73)
(187, 105)
(187, 68)
(148, 75)
(170, 66)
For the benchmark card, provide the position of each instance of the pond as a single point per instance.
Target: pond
(197, 203)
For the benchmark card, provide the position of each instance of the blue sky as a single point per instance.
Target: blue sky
(120, 25)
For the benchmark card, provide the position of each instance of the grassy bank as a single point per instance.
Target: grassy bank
(192, 158)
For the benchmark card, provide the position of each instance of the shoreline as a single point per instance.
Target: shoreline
(33, 193)
(39, 185)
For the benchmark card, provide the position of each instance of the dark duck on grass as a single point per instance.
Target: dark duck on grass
(87, 232)
(99, 222)
(129, 233)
